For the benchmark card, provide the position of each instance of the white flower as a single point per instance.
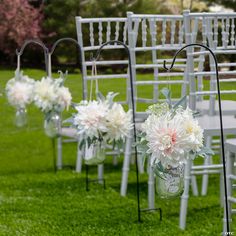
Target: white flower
(194, 133)
(20, 92)
(171, 137)
(63, 98)
(166, 139)
(91, 119)
(45, 95)
(118, 123)
(50, 94)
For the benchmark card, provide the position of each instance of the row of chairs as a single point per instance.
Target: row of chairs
(151, 40)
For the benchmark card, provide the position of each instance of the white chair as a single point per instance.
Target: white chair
(153, 35)
(210, 124)
(218, 33)
(92, 33)
(216, 30)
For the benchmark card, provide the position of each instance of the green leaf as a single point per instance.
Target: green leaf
(63, 76)
(167, 93)
(74, 105)
(181, 102)
(205, 152)
(196, 113)
(89, 141)
(69, 120)
(160, 167)
(100, 96)
(82, 143)
(110, 97)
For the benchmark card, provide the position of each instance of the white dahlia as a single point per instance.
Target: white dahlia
(63, 98)
(20, 92)
(194, 133)
(166, 139)
(91, 119)
(45, 95)
(118, 122)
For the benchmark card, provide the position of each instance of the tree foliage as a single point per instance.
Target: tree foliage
(18, 21)
(59, 17)
(226, 3)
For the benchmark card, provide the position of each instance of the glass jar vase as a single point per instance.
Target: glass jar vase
(52, 125)
(21, 117)
(94, 154)
(169, 180)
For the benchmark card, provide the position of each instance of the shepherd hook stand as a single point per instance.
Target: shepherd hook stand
(47, 55)
(19, 53)
(220, 113)
(49, 61)
(133, 120)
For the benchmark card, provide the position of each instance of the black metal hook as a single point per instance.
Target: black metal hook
(53, 48)
(133, 117)
(31, 41)
(220, 114)
(50, 52)
(63, 40)
(98, 53)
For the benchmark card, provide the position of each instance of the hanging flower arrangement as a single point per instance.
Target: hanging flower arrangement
(170, 136)
(19, 91)
(100, 122)
(51, 97)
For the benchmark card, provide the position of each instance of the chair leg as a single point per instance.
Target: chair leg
(140, 165)
(100, 173)
(59, 153)
(151, 188)
(229, 170)
(79, 160)
(185, 196)
(126, 165)
(194, 185)
(222, 187)
(207, 161)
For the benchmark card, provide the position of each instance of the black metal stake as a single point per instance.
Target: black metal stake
(54, 154)
(220, 114)
(133, 120)
(87, 180)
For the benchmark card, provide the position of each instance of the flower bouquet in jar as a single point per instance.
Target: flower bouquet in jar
(19, 91)
(170, 136)
(98, 123)
(52, 97)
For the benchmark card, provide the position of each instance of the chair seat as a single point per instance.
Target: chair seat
(230, 145)
(69, 132)
(228, 106)
(211, 124)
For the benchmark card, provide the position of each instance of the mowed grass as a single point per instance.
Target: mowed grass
(34, 200)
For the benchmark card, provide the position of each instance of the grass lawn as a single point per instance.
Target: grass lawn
(36, 201)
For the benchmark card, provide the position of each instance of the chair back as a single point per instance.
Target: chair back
(92, 34)
(152, 39)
